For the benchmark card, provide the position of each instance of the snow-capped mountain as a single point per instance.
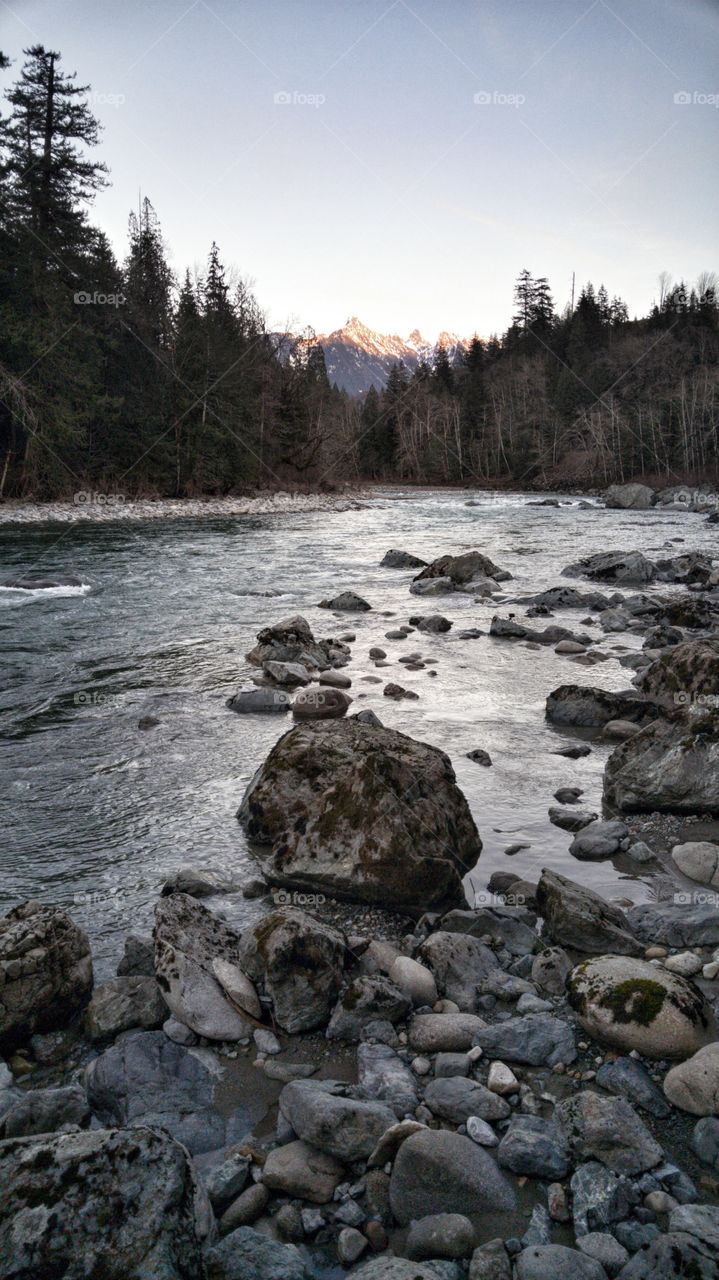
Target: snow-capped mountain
(358, 358)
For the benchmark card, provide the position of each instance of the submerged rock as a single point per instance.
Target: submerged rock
(45, 972)
(364, 813)
(113, 1203)
(634, 1005)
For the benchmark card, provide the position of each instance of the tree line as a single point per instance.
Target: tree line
(119, 377)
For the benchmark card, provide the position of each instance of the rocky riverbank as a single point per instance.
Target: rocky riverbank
(378, 1078)
(91, 507)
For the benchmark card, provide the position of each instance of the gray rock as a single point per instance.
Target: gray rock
(138, 958)
(189, 940)
(289, 673)
(490, 1262)
(439, 1172)
(447, 1065)
(227, 1180)
(384, 1077)
(571, 819)
(346, 1128)
(260, 702)
(705, 1141)
(122, 1003)
(675, 924)
(462, 569)
(608, 1130)
(111, 1203)
(614, 566)
(444, 1032)
(248, 1255)
(700, 1221)
(687, 671)
(512, 926)
(629, 1079)
(200, 882)
(432, 587)
(632, 1004)
(481, 1132)
(550, 970)
(323, 703)
(600, 1198)
(664, 769)
(556, 1262)
(459, 963)
(351, 1244)
(291, 640)
(434, 623)
(537, 1039)
(414, 980)
(401, 560)
(45, 1111)
(440, 1235)
(605, 1249)
(576, 917)
(420, 843)
(300, 1170)
(366, 1000)
(534, 1148)
(346, 601)
(245, 1209)
(540, 1227)
(629, 497)
(583, 706)
(298, 962)
(694, 1085)
(386, 1268)
(145, 1079)
(599, 840)
(675, 1256)
(455, 1098)
(45, 972)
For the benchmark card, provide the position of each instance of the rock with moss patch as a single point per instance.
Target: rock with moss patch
(631, 1004)
(364, 813)
(299, 963)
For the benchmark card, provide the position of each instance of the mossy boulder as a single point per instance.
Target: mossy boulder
(361, 812)
(669, 767)
(631, 1004)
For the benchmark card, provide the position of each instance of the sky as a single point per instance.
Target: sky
(403, 160)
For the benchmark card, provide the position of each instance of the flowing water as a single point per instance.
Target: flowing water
(95, 813)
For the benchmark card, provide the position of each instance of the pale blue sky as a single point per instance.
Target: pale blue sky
(397, 197)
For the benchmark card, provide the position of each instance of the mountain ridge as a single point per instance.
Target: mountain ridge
(358, 357)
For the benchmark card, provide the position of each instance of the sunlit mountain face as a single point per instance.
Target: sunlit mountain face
(358, 358)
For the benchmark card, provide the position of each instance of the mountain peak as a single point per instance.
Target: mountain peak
(358, 357)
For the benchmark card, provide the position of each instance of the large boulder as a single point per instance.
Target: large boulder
(439, 1172)
(608, 1130)
(121, 1204)
(613, 566)
(629, 497)
(633, 1005)
(586, 707)
(200, 992)
(146, 1079)
(463, 568)
(291, 640)
(575, 916)
(667, 767)
(299, 964)
(364, 813)
(686, 673)
(45, 972)
(320, 1114)
(694, 1085)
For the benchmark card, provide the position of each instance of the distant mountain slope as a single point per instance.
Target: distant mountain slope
(358, 358)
